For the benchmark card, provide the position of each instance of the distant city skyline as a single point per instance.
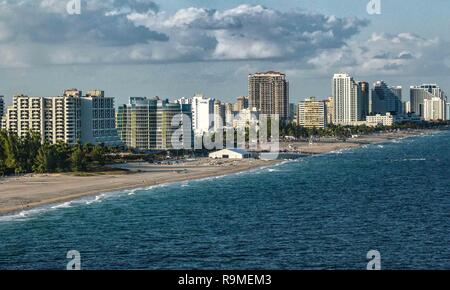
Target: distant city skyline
(175, 49)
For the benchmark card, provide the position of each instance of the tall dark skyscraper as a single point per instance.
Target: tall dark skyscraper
(2, 107)
(365, 103)
(386, 99)
(269, 93)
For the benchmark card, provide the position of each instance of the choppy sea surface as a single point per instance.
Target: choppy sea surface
(319, 212)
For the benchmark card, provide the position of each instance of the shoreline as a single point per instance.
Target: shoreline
(111, 183)
(18, 194)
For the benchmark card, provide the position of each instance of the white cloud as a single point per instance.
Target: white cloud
(386, 54)
(250, 32)
(118, 31)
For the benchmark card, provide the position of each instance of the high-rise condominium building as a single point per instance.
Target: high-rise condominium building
(407, 107)
(419, 93)
(269, 93)
(347, 99)
(2, 107)
(293, 110)
(312, 113)
(329, 104)
(241, 103)
(202, 114)
(365, 99)
(219, 115)
(386, 99)
(447, 111)
(434, 109)
(70, 118)
(98, 121)
(150, 124)
(229, 114)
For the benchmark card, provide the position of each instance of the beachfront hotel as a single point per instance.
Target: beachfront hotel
(312, 113)
(150, 123)
(269, 93)
(202, 114)
(434, 109)
(70, 118)
(386, 99)
(347, 97)
(381, 119)
(418, 95)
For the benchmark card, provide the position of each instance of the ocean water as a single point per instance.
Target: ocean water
(320, 212)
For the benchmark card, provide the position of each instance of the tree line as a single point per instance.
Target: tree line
(344, 132)
(28, 155)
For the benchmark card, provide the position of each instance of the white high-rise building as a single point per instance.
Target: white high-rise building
(219, 116)
(202, 114)
(54, 119)
(447, 111)
(407, 107)
(434, 109)
(348, 106)
(418, 94)
(69, 118)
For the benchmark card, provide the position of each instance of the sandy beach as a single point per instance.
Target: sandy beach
(328, 145)
(33, 190)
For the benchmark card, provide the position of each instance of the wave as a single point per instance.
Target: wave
(25, 214)
(62, 205)
(97, 199)
(34, 212)
(413, 159)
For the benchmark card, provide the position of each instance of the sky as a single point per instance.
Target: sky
(176, 48)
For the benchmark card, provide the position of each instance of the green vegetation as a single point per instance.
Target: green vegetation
(344, 132)
(27, 155)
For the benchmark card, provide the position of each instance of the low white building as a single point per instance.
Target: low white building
(230, 154)
(378, 119)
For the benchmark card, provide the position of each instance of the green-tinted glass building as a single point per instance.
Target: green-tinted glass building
(154, 124)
